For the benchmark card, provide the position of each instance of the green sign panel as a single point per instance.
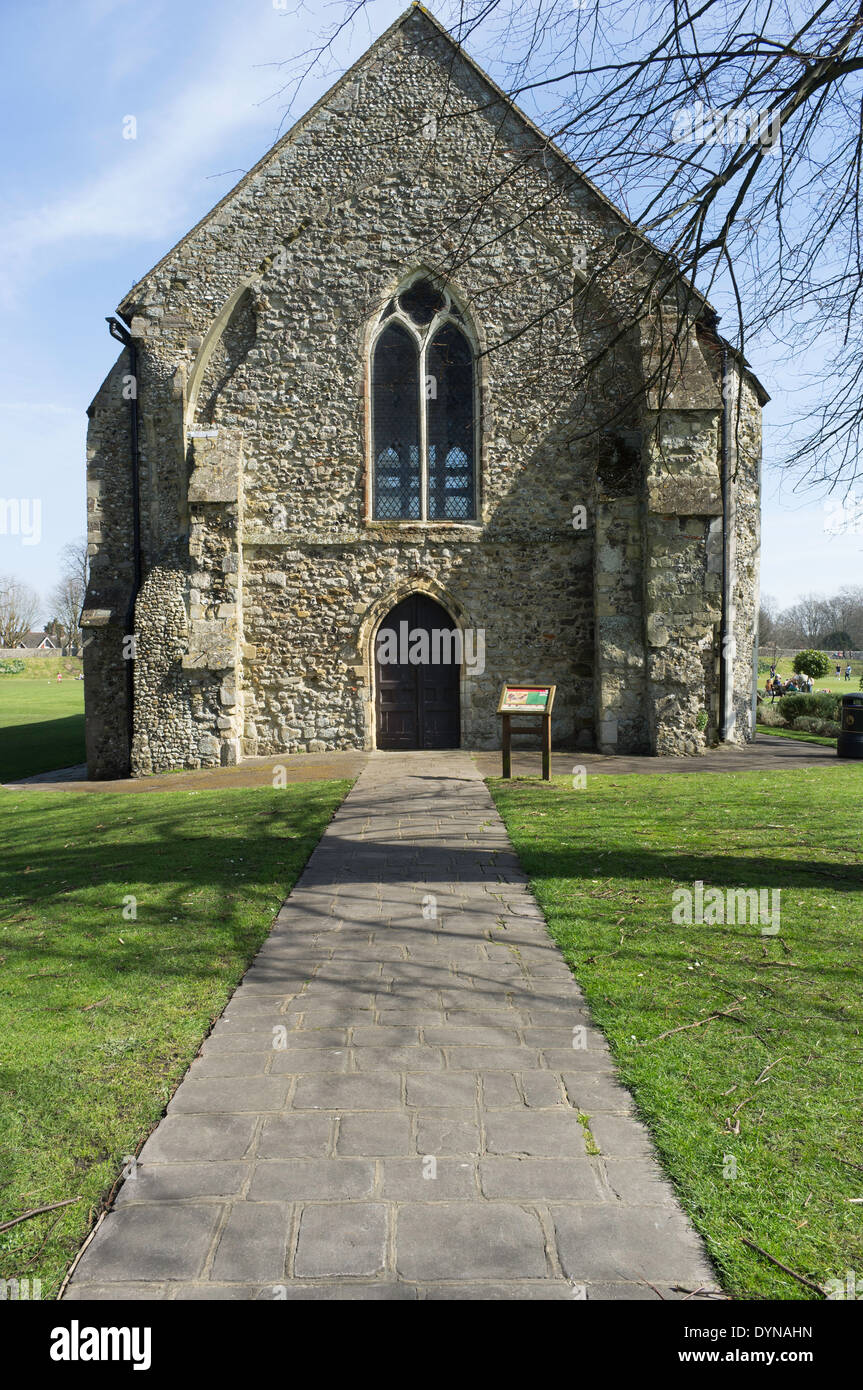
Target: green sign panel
(526, 699)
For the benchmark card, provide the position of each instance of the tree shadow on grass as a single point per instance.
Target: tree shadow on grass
(716, 868)
(59, 862)
(27, 749)
(60, 867)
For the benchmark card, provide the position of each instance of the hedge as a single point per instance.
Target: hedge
(820, 706)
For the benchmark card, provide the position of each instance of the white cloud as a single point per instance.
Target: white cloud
(154, 189)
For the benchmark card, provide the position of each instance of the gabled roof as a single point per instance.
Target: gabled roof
(418, 11)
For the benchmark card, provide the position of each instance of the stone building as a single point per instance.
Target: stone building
(390, 385)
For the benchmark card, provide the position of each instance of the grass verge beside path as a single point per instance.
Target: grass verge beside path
(772, 1094)
(41, 726)
(796, 734)
(100, 1015)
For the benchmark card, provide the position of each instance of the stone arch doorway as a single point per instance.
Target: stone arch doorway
(417, 655)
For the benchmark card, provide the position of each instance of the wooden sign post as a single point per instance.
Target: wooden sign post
(534, 701)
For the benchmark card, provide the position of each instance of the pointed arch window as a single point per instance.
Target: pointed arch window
(396, 423)
(423, 390)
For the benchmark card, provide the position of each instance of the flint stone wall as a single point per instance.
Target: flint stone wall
(265, 579)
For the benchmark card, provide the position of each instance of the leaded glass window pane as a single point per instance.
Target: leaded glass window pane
(449, 407)
(421, 301)
(395, 426)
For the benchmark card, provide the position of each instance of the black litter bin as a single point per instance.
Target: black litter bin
(849, 744)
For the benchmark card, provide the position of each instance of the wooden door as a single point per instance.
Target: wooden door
(417, 703)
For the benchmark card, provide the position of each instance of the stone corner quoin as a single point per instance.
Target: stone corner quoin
(249, 544)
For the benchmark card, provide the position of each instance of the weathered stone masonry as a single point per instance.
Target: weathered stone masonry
(264, 578)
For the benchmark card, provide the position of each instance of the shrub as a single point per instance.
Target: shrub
(839, 641)
(12, 667)
(769, 714)
(828, 728)
(796, 706)
(811, 663)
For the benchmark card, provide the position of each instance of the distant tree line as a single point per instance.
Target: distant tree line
(20, 604)
(834, 623)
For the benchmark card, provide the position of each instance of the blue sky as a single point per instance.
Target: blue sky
(86, 213)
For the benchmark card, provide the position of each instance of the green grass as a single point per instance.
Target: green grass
(829, 682)
(40, 668)
(603, 862)
(41, 726)
(796, 734)
(100, 1015)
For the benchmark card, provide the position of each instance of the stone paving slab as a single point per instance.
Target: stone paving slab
(397, 1101)
(767, 753)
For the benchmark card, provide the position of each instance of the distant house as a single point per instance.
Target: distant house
(37, 642)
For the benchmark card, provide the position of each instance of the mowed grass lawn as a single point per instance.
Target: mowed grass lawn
(39, 668)
(797, 734)
(41, 725)
(838, 686)
(778, 1086)
(99, 1014)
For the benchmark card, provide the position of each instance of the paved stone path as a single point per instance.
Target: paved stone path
(767, 754)
(391, 1106)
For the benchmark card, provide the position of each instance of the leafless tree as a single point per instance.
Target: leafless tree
(19, 605)
(767, 614)
(731, 133)
(809, 617)
(67, 596)
(75, 561)
(815, 620)
(845, 612)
